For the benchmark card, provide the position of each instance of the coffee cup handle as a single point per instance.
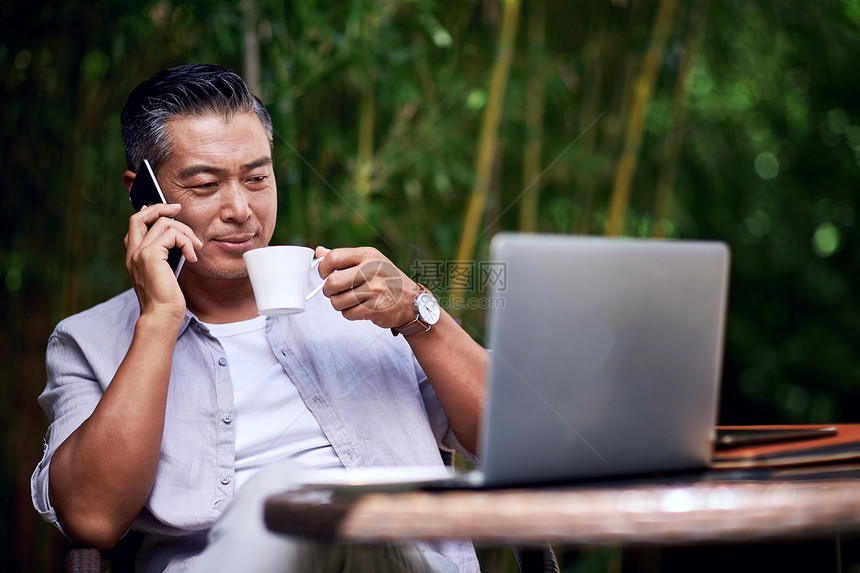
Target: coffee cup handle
(314, 264)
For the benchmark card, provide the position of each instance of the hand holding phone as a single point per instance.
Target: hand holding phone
(145, 191)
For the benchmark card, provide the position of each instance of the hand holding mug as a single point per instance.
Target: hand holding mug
(367, 286)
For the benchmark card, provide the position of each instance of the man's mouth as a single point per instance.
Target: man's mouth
(235, 242)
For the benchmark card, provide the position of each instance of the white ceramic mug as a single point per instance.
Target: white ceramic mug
(279, 276)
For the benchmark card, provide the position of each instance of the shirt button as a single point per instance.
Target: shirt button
(227, 418)
(222, 361)
(225, 480)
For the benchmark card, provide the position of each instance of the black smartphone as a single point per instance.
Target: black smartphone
(145, 191)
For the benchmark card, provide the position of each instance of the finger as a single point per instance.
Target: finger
(164, 235)
(321, 251)
(355, 313)
(367, 270)
(188, 243)
(344, 258)
(350, 298)
(151, 213)
(340, 281)
(381, 311)
(379, 296)
(140, 223)
(164, 226)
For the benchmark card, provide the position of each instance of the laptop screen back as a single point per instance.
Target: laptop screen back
(606, 356)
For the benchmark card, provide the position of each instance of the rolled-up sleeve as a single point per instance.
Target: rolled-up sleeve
(70, 396)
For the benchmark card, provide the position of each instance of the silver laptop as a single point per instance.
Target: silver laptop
(606, 356)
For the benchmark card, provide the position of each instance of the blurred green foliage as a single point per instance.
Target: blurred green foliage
(378, 106)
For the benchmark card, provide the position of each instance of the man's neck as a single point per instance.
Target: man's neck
(219, 301)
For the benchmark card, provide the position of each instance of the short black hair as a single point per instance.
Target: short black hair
(184, 91)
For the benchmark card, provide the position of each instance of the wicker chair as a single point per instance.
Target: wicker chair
(80, 559)
(536, 559)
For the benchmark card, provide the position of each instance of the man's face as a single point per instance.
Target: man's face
(221, 173)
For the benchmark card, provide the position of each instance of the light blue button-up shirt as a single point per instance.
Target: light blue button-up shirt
(363, 386)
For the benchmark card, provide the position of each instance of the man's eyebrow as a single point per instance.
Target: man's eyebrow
(193, 170)
(258, 163)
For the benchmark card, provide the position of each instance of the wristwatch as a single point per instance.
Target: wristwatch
(427, 314)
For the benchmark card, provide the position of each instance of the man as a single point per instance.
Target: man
(167, 398)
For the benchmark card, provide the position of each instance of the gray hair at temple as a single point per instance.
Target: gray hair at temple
(194, 90)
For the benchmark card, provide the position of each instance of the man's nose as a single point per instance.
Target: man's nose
(234, 203)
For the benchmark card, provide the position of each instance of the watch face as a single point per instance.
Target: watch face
(428, 308)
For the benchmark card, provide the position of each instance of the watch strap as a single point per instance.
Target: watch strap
(416, 325)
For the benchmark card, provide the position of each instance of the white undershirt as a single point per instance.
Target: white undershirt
(272, 421)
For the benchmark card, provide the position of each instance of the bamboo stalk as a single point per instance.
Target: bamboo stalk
(643, 92)
(295, 195)
(366, 120)
(664, 196)
(364, 168)
(251, 45)
(594, 51)
(88, 122)
(488, 141)
(534, 118)
(664, 200)
(611, 139)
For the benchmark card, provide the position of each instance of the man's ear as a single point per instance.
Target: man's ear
(128, 179)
